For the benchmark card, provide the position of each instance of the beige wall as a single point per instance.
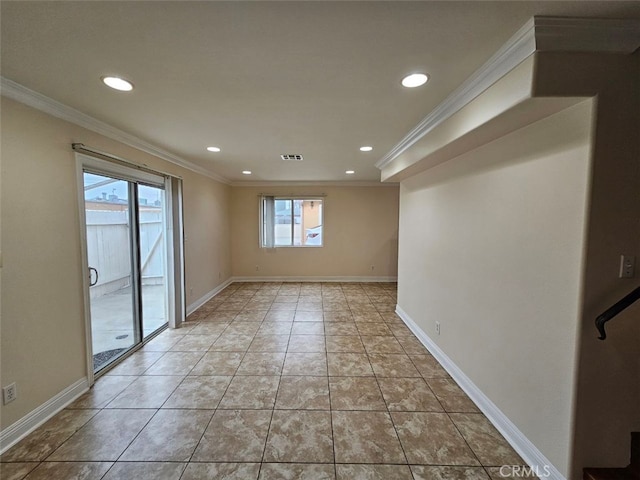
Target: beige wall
(491, 246)
(360, 230)
(608, 383)
(43, 339)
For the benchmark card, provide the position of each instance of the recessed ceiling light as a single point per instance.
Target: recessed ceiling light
(118, 83)
(246, 172)
(366, 148)
(213, 149)
(350, 172)
(414, 80)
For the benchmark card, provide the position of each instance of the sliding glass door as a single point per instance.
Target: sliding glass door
(126, 250)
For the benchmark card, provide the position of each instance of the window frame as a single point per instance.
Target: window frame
(267, 221)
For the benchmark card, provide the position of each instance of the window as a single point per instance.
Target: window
(291, 222)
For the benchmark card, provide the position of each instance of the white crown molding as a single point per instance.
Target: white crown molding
(517, 49)
(538, 34)
(22, 94)
(313, 184)
(520, 443)
(27, 424)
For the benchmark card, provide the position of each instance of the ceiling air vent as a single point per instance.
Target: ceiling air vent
(296, 158)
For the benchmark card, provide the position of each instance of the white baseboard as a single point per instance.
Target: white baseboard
(27, 424)
(520, 443)
(285, 278)
(208, 296)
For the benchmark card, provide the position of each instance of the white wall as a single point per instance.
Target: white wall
(43, 335)
(360, 230)
(491, 246)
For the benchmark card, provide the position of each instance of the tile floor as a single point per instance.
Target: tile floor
(272, 381)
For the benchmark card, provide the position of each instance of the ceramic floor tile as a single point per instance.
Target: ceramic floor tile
(136, 364)
(275, 328)
(218, 363)
(16, 471)
(308, 328)
(297, 471)
(286, 298)
(69, 471)
(411, 345)
(371, 328)
(251, 392)
(400, 331)
(305, 364)
(309, 307)
(355, 393)
(423, 472)
(367, 317)
(199, 392)
(365, 437)
(458, 404)
(392, 365)
(104, 390)
(408, 395)
(175, 363)
(340, 328)
(243, 328)
(485, 441)
(104, 437)
(373, 472)
(432, 439)
(208, 329)
(145, 471)
(306, 343)
(261, 364)
(279, 316)
(349, 364)
(170, 436)
(428, 366)
(39, 444)
(334, 306)
(444, 387)
(161, 343)
(234, 436)
(146, 392)
(270, 343)
(251, 315)
(308, 317)
(283, 307)
(231, 343)
(221, 471)
(300, 436)
(344, 344)
(339, 316)
(303, 393)
(194, 343)
(381, 344)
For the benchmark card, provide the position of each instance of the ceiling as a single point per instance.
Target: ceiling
(260, 79)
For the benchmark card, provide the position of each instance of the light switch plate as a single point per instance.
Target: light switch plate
(627, 266)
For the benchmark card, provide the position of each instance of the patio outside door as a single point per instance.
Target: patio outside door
(126, 256)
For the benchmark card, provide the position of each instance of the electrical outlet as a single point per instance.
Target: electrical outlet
(9, 393)
(373, 267)
(438, 328)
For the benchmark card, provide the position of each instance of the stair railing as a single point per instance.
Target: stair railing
(614, 310)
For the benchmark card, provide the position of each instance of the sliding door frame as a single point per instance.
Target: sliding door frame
(175, 307)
